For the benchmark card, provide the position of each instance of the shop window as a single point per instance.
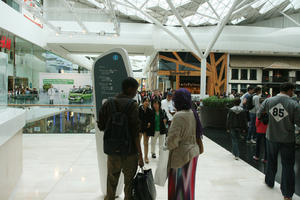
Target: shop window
(234, 74)
(244, 74)
(253, 74)
(234, 87)
(298, 76)
(244, 88)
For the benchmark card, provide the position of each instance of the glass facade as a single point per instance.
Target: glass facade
(33, 78)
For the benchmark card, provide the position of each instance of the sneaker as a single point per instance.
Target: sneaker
(236, 158)
(255, 158)
(253, 141)
(248, 141)
(153, 155)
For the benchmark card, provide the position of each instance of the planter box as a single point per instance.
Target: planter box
(213, 117)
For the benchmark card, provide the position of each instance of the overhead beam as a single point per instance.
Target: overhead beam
(220, 27)
(156, 22)
(213, 9)
(76, 17)
(291, 19)
(114, 17)
(188, 33)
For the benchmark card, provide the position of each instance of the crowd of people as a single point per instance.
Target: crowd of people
(269, 123)
(170, 118)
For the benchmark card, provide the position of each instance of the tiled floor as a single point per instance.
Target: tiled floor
(63, 167)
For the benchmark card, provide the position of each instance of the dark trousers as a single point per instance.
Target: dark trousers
(252, 127)
(287, 152)
(261, 141)
(235, 134)
(115, 165)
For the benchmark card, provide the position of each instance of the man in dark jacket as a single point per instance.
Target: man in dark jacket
(126, 164)
(236, 123)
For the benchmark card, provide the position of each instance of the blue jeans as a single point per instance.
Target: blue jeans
(287, 152)
(252, 127)
(235, 134)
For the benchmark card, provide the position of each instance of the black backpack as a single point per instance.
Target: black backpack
(249, 103)
(117, 138)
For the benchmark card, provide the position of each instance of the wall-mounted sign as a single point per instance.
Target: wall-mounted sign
(5, 42)
(58, 81)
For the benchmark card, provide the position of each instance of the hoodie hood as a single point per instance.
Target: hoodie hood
(237, 109)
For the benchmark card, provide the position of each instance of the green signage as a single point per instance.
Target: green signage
(59, 81)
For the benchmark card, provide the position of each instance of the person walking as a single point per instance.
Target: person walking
(236, 123)
(185, 144)
(127, 164)
(252, 104)
(159, 130)
(168, 107)
(261, 129)
(283, 114)
(51, 93)
(145, 116)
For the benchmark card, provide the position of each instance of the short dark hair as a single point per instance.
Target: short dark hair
(236, 101)
(257, 89)
(156, 101)
(250, 88)
(129, 83)
(286, 87)
(145, 99)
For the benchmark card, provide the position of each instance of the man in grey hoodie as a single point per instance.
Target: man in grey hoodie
(284, 113)
(236, 123)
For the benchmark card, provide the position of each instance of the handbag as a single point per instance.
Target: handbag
(143, 185)
(161, 173)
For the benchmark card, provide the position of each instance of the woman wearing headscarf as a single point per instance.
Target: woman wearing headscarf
(185, 144)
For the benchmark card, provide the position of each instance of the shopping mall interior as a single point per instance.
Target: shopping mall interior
(60, 59)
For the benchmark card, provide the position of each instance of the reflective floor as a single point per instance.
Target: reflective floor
(247, 151)
(63, 167)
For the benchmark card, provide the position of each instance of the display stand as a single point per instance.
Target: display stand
(109, 70)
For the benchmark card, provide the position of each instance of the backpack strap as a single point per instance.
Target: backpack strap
(112, 104)
(127, 107)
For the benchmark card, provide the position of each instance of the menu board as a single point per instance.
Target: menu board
(109, 72)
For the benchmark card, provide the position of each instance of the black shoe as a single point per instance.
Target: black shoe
(270, 186)
(153, 155)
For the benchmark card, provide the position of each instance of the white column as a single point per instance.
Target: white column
(203, 78)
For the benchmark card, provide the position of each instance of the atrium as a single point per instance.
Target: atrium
(61, 60)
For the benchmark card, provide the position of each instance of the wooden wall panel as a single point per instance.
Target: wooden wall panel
(216, 71)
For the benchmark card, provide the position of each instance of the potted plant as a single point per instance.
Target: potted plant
(213, 112)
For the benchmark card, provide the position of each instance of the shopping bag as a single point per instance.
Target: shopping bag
(143, 185)
(161, 173)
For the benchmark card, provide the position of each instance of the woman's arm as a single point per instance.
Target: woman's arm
(174, 133)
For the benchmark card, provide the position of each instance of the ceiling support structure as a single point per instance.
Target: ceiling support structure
(114, 17)
(77, 18)
(142, 6)
(188, 33)
(217, 33)
(156, 22)
(291, 19)
(213, 9)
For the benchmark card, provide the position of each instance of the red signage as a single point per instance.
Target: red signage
(5, 42)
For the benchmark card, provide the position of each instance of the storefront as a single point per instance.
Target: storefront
(25, 62)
